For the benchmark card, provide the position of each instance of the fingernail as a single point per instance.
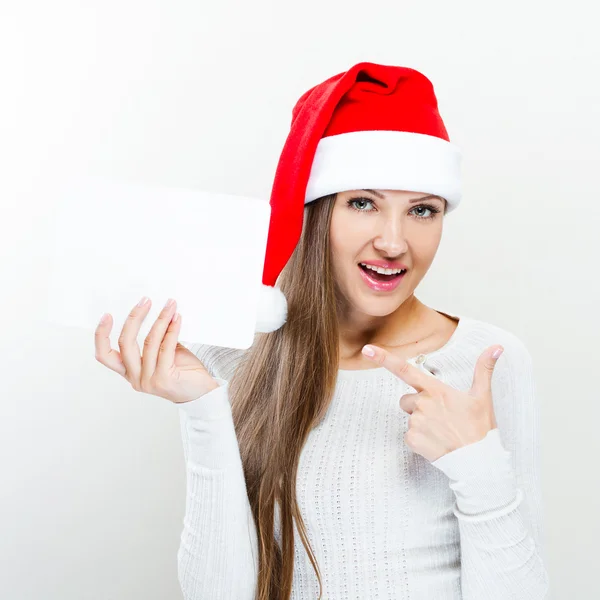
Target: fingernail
(169, 303)
(143, 301)
(497, 352)
(368, 351)
(102, 319)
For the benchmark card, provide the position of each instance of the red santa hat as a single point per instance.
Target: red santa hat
(371, 127)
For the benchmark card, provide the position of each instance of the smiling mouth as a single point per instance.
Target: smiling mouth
(379, 276)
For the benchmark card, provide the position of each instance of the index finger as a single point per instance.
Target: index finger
(403, 369)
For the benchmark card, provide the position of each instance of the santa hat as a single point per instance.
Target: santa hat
(371, 127)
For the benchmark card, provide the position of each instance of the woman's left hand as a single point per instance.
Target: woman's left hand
(442, 418)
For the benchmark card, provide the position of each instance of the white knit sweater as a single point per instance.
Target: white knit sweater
(384, 522)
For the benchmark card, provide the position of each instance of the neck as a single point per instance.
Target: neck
(396, 329)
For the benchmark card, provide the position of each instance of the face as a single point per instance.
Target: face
(391, 225)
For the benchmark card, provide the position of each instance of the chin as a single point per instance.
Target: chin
(378, 307)
(381, 309)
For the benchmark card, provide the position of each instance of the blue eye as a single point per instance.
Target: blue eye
(430, 207)
(353, 200)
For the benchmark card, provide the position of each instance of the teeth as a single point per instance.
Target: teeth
(383, 271)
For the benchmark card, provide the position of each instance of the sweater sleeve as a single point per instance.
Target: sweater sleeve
(217, 556)
(498, 494)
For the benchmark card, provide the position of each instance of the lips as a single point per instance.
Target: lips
(379, 285)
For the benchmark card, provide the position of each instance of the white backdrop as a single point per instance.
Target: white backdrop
(92, 480)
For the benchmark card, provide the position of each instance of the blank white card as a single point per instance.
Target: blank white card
(116, 241)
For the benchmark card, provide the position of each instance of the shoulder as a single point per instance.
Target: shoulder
(219, 361)
(483, 334)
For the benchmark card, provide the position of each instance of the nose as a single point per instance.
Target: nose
(392, 240)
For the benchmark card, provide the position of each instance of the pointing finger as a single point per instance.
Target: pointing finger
(403, 369)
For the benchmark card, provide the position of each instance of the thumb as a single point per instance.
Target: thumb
(484, 369)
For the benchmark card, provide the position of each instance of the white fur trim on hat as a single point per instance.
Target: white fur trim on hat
(386, 160)
(272, 309)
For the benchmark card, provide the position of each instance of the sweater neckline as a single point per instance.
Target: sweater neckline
(350, 374)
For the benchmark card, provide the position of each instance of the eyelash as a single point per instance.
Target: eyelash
(434, 210)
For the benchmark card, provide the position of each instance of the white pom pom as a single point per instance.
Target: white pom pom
(271, 312)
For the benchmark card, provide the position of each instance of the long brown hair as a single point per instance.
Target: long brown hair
(281, 388)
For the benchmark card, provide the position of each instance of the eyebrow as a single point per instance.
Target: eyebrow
(379, 195)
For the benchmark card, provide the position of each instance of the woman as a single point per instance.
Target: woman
(323, 431)
(316, 471)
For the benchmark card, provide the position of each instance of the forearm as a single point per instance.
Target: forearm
(499, 555)
(217, 556)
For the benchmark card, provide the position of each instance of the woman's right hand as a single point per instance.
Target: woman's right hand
(166, 368)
